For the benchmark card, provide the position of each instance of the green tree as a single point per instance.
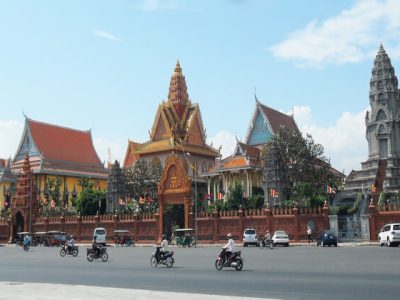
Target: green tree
(294, 164)
(235, 197)
(141, 182)
(53, 190)
(90, 200)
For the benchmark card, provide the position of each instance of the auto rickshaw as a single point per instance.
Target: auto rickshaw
(56, 238)
(122, 238)
(39, 238)
(183, 237)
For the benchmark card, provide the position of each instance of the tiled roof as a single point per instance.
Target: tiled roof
(64, 144)
(250, 151)
(278, 119)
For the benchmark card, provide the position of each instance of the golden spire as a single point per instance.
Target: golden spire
(178, 95)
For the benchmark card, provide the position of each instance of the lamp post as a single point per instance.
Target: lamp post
(195, 196)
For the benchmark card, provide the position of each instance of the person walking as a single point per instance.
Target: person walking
(309, 234)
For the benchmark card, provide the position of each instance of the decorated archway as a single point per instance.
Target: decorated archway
(175, 188)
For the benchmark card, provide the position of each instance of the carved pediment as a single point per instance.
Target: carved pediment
(174, 178)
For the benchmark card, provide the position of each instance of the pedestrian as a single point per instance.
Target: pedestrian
(309, 234)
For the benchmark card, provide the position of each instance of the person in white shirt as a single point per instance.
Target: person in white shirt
(71, 243)
(163, 246)
(230, 248)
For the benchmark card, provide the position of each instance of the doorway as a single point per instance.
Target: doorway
(174, 217)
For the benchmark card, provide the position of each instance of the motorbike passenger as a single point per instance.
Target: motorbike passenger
(267, 237)
(71, 243)
(230, 248)
(95, 247)
(163, 247)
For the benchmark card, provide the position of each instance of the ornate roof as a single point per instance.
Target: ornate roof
(178, 125)
(58, 150)
(5, 171)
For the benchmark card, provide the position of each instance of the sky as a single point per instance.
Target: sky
(106, 66)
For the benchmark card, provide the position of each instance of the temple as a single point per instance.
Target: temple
(381, 171)
(242, 166)
(55, 151)
(178, 142)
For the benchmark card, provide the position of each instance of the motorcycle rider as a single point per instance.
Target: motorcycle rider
(230, 248)
(70, 243)
(267, 237)
(163, 246)
(27, 240)
(95, 247)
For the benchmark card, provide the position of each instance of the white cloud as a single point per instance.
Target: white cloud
(117, 150)
(10, 135)
(344, 142)
(226, 140)
(155, 5)
(106, 35)
(348, 37)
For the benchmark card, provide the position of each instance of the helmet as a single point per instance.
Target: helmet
(164, 236)
(229, 235)
(71, 236)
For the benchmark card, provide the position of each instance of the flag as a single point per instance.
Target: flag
(274, 193)
(330, 190)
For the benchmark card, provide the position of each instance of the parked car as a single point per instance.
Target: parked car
(250, 237)
(281, 237)
(390, 235)
(100, 234)
(326, 238)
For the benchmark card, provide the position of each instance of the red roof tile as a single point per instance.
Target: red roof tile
(250, 151)
(278, 119)
(64, 144)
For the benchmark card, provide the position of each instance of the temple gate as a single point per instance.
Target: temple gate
(175, 187)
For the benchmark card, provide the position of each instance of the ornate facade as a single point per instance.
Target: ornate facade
(177, 139)
(56, 151)
(241, 167)
(381, 172)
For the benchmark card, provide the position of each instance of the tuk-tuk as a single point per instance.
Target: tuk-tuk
(183, 237)
(56, 238)
(39, 238)
(122, 238)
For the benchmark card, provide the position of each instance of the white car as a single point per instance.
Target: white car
(250, 237)
(390, 235)
(280, 237)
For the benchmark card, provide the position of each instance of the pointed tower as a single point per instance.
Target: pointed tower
(382, 130)
(381, 172)
(178, 94)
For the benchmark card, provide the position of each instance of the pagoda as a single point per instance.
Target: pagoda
(381, 171)
(178, 127)
(178, 142)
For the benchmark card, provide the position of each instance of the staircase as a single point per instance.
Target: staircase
(380, 177)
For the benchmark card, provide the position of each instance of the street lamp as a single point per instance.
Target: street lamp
(195, 196)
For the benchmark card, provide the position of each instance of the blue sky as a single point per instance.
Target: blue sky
(106, 66)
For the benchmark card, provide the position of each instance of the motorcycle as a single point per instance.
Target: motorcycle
(92, 254)
(26, 247)
(71, 251)
(266, 243)
(166, 259)
(236, 261)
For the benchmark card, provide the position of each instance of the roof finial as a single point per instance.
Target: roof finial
(381, 48)
(255, 96)
(178, 68)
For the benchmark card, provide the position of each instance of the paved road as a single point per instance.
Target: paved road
(283, 273)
